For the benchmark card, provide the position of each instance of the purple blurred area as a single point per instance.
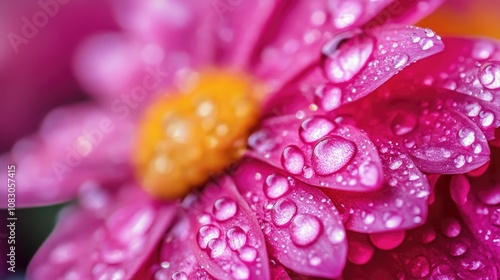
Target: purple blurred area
(37, 42)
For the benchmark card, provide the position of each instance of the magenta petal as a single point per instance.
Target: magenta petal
(478, 201)
(401, 204)
(177, 259)
(405, 12)
(301, 225)
(225, 236)
(469, 66)
(107, 237)
(319, 152)
(74, 145)
(299, 29)
(368, 60)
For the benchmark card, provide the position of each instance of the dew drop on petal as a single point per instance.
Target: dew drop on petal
(207, 233)
(495, 217)
(240, 271)
(283, 212)
(451, 228)
(336, 235)
(224, 208)
(292, 159)
(369, 174)
(400, 60)
(466, 136)
(236, 238)
(344, 59)
(331, 154)
(392, 220)
(403, 124)
(261, 141)
(482, 50)
(426, 44)
(276, 186)
(328, 97)
(315, 128)
(216, 247)
(458, 249)
(489, 75)
(179, 275)
(486, 118)
(304, 229)
(419, 267)
(248, 254)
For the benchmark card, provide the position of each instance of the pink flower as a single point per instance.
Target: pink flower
(341, 151)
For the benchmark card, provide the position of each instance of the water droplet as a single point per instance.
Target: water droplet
(304, 229)
(207, 233)
(344, 59)
(276, 186)
(248, 254)
(345, 14)
(369, 174)
(400, 60)
(415, 38)
(403, 123)
(262, 141)
(395, 163)
(292, 159)
(473, 109)
(458, 249)
(392, 220)
(179, 275)
(328, 97)
(240, 271)
(426, 44)
(466, 136)
(495, 217)
(224, 208)
(451, 228)
(419, 267)
(486, 118)
(283, 212)
(315, 128)
(216, 247)
(336, 235)
(332, 154)
(482, 50)
(236, 238)
(314, 260)
(459, 161)
(489, 75)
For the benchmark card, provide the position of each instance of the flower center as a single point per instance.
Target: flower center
(187, 136)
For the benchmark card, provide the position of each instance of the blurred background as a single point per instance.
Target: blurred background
(36, 76)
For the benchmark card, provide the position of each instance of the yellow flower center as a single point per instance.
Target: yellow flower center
(187, 136)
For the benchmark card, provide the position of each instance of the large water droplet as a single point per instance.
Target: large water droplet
(332, 154)
(236, 238)
(240, 271)
(344, 59)
(207, 233)
(315, 128)
(292, 159)
(328, 97)
(216, 247)
(426, 44)
(276, 186)
(304, 229)
(283, 212)
(489, 75)
(400, 60)
(248, 254)
(451, 228)
(224, 208)
(486, 118)
(403, 123)
(419, 267)
(392, 220)
(466, 136)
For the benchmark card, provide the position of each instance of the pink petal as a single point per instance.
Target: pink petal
(225, 236)
(405, 12)
(178, 259)
(301, 225)
(354, 68)
(401, 204)
(319, 152)
(469, 66)
(294, 39)
(107, 240)
(75, 145)
(477, 200)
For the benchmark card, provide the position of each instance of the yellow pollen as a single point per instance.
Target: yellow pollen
(187, 136)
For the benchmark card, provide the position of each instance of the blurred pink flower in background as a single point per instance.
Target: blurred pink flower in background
(361, 119)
